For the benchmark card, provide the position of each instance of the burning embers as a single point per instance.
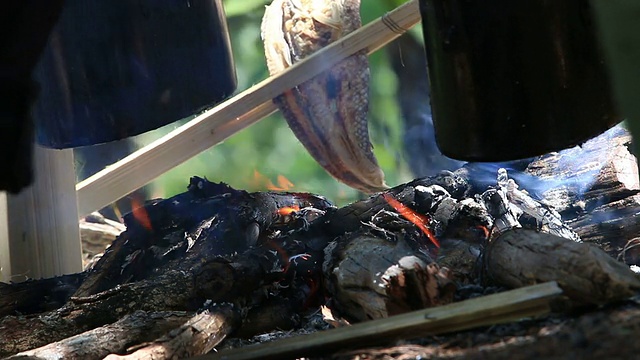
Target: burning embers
(420, 220)
(288, 210)
(274, 255)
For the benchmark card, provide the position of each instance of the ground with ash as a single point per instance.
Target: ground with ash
(607, 333)
(599, 333)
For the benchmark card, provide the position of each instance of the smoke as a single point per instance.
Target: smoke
(423, 155)
(563, 179)
(555, 177)
(574, 170)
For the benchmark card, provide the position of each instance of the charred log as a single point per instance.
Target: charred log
(36, 296)
(207, 220)
(197, 336)
(135, 328)
(275, 255)
(373, 274)
(588, 275)
(174, 289)
(578, 180)
(595, 188)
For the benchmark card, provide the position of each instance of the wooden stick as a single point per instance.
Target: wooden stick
(487, 310)
(233, 115)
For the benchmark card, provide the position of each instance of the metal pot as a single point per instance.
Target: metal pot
(113, 69)
(514, 79)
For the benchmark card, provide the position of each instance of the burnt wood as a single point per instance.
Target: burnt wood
(275, 255)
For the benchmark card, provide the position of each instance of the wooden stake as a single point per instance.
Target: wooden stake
(483, 311)
(42, 236)
(233, 115)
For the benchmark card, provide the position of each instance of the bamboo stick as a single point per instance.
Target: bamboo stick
(233, 115)
(483, 311)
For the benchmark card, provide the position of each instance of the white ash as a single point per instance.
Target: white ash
(519, 202)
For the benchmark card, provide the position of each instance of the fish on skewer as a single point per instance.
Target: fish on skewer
(329, 113)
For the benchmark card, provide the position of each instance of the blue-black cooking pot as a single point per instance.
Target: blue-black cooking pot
(512, 79)
(113, 69)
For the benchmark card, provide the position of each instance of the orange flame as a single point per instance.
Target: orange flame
(485, 230)
(419, 220)
(284, 183)
(260, 180)
(140, 214)
(287, 210)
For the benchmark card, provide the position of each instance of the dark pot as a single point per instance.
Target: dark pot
(512, 79)
(114, 69)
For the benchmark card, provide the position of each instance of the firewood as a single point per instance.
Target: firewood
(134, 328)
(267, 253)
(214, 218)
(436, 196)
(195, 337)
(613, 227)
(522, 257)
(600, 171)
(181, 260)
(35, 296)
(595, 187)
(387, 267)
(216, 280)
(81, 314)
(372, 277)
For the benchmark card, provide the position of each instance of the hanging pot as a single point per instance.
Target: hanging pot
(514, 79)
(113, 69)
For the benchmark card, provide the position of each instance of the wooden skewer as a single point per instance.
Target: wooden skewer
(483, 311)
(233, 115)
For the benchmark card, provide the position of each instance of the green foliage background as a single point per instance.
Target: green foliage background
(269, 147)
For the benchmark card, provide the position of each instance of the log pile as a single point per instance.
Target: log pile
(216, 262)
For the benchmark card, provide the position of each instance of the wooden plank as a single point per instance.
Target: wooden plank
(233, 115)
(483, 311)
(41, 236)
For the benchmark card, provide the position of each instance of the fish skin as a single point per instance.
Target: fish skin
(329, 113)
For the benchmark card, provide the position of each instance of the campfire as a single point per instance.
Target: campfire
(220, 268)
